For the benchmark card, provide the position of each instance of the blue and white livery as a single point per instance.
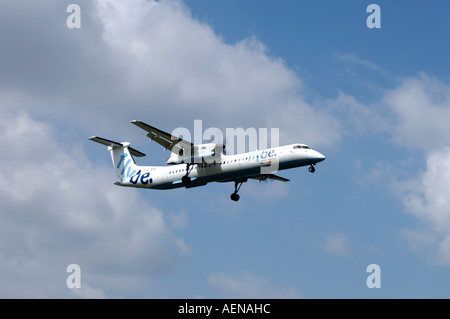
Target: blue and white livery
(191, 165)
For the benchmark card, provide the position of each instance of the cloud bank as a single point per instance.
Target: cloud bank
(54, 214)
(421, 106)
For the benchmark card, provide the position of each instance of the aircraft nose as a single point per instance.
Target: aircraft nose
(320, 157)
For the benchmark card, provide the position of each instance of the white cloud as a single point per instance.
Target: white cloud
(162, 47)
(57, 208)
(153, 61)
(172, 61)
(248, 285)
(416, 114)
(430, 203)
(336, 244)
(422, 107)
(351, 58)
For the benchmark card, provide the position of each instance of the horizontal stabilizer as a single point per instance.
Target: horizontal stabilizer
(263, 177)
(113, 144)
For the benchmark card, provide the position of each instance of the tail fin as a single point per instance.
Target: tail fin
(122, 157)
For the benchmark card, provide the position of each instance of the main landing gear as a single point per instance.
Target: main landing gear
(312, 169)
(186, 179)
(237, 187)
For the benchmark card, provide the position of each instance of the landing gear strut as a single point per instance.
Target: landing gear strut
(186, 179)
(237, 187)
(311, 169)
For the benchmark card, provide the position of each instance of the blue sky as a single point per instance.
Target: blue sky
(376, 102)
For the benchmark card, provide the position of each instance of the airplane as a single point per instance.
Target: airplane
(192, 165)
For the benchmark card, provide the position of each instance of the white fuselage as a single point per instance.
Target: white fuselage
(225, 168)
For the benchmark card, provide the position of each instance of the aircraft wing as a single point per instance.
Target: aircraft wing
(166, 140)
(263, 177)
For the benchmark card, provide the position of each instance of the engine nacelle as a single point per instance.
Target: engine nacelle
(198, 154)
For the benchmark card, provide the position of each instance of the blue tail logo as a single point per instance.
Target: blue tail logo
(134, 176)
(129, 172)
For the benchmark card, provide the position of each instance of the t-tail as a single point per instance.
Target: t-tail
(122, 158)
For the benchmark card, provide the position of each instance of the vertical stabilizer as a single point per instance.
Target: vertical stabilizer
(122, 157)
(123, 162)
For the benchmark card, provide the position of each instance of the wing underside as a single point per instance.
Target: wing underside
(263, 177)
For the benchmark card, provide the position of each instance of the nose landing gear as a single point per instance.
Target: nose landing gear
(312, 169)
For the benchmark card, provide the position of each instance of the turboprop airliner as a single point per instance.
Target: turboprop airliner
(191, 165)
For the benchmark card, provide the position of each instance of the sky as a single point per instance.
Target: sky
(374, 101)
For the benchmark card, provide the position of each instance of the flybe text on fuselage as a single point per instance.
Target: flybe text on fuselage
(261, 155)
(144, 179)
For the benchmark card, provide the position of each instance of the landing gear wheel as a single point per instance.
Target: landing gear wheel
(311, 169)
(186, 179)
(235, 197)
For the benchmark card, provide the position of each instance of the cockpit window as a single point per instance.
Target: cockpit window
(307, 147)
(301, 146)
(297, 146)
